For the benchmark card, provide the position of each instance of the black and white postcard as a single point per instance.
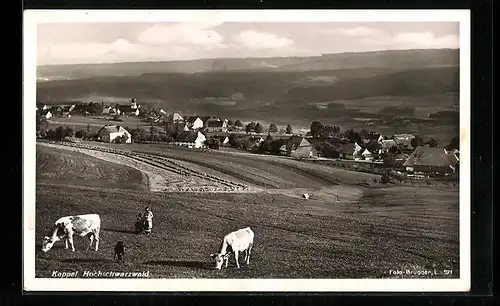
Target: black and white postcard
(234, 150)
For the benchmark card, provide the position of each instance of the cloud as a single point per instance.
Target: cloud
(261, 40)
(357, 32)
(427, 39)
(380, 39)
(194, 34)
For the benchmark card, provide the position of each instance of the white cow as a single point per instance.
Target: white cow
(237, 241)
(81, 225)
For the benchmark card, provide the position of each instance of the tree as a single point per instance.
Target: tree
(417, 141)
(329, 130)
(238, 123)
(316, 128)
(454, 144)
(258, 128)
(432, 143)
(267, 145)
(59, 133)
(81, 134)
(250, 127)
(213, 143)
(352, 136)
(273, 128)
(230, 122)
(234, 141)
(394, 150)
(289, 129)
(69, 132)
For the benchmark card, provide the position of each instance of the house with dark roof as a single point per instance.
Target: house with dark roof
(386, 145)
(175, 118)
(429, 160)
(298, 147)
(217, 125)
(191, 139)
(194, 122)
(403, 142)
(127, 110)
(372, 137)
(46, 113)
(109, 133)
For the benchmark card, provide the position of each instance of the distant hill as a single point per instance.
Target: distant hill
(395, 59)
(232, 92)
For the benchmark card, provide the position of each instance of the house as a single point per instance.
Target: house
(429, 160)
(191, 139)
(133, 104)
(217, 126)
(403, 142)
(223, 139)
(46, 113)
(109, 133)
(128, 110)
(386, 145)
(372, 137)
(298, 147)
(194, 122)
(175, 118)
(401, 157)
(367, 155)
(108, 110)
(454, 158)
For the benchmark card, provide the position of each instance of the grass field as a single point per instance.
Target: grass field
(370, 230)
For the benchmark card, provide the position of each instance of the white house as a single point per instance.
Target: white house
(108, 133)
(194, 123)
(357, 149)
(367, 155)
(46, 113)
(191, 139)
(175, 117)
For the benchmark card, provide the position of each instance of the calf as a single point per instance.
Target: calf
(119, 251)
(66, 227)
(234, 242)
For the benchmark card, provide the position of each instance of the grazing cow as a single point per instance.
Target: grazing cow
(66, 227)
(119, 251)
(234, 242)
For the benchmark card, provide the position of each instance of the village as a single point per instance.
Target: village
(401, 154)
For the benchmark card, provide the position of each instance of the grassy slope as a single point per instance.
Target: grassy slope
(55, 166)
(386, 229)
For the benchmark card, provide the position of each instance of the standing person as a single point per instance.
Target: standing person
(148, 216)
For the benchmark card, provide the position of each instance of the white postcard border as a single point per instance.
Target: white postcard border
(30, 283)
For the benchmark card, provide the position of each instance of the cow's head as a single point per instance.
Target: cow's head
(48, 242)
(219, 259)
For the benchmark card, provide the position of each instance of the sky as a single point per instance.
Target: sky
(80, 43)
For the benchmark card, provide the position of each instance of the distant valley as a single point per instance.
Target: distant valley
(351, 89)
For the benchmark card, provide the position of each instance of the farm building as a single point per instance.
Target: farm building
(109, 133)
(373, 138)
(403, 142)
(298, 147)
(386, 145)
(46, 113)
(194, 123)
(128, 110)
(217, 126)
(367, 155)
(175, 118)
(223, 140)
(191, 139)
(431, 161)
